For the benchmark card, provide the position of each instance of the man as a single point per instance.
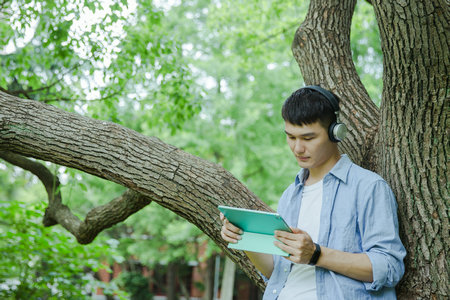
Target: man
(345, 243)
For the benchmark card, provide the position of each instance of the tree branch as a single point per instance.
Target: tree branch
(289, 26)
(185, 184)
(66, 99)
(26, 92)
(97, 219)
(50, 181)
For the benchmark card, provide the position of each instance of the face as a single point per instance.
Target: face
(311, 146)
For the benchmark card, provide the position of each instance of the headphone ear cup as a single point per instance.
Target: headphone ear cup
(331, 133)
(337, 132)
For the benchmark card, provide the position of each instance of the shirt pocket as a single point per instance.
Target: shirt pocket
(344, 231)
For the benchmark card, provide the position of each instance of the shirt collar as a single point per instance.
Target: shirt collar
(340, 170)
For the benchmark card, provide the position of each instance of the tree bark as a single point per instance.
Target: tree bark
(415, 136)
(183, 183)
(321, 47)
(406, 140)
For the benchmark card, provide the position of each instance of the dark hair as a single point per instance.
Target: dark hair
(306, 106)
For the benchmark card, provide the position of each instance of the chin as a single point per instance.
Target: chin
(303, 164)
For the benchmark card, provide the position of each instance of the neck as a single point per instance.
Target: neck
(318, 173)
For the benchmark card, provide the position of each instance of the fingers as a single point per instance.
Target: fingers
(287, 234)
(298, 244)
(229, 232)
(231, 227)
(296, 255)
(230, 236)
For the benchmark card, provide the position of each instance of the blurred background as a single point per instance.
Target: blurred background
(206, 76)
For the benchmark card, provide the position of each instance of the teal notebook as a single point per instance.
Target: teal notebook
(258, 227)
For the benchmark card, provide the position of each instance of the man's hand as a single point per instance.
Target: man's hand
(298, 244)
(229, 232)
(301, 248)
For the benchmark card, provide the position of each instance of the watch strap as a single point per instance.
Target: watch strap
(315, 256)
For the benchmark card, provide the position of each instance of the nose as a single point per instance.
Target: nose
(299, 148)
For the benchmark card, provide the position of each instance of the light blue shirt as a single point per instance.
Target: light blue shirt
(359, 215)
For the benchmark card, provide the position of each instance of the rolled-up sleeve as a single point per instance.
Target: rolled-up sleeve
(380, 238)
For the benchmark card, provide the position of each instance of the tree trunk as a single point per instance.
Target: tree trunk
(321, 47)
(407, 140)
(415, 136)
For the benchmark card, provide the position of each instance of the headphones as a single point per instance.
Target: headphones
(336, 131)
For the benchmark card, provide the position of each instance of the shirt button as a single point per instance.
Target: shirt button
(285, 269)
(274, 291)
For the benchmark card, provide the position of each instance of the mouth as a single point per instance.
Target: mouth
(302, 158)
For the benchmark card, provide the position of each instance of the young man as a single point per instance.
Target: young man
(345, 243)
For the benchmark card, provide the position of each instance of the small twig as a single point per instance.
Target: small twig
(26, 92)
(81, 100)
(271, 36)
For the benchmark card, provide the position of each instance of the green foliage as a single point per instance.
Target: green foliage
(366, 49)
(40, 262)
(82, 192)
(82, 51)
(206, 76)
(241, 54)
(160, 236)
(136, 285)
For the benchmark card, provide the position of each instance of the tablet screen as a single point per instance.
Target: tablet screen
(254, 220)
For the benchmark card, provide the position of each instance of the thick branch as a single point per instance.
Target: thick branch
(97, 220)
(105, 216)
(183, 183)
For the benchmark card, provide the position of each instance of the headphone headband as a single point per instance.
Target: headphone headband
(327, 94)
(336, 131)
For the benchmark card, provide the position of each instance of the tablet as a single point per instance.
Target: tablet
(258, 227)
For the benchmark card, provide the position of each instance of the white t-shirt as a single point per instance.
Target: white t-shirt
(301, 282)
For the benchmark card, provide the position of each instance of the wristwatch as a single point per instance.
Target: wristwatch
(315, 256)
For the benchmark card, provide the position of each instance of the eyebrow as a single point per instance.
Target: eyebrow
(308, 134)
